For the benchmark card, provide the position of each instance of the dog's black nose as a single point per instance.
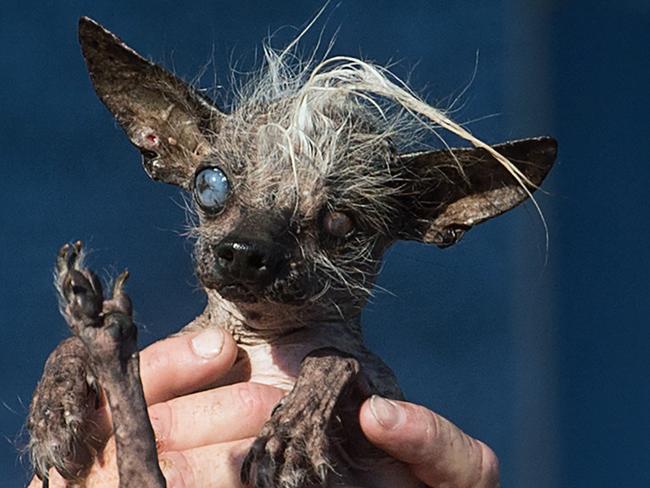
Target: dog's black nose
(248, 262)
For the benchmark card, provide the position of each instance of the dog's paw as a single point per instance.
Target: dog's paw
(80, 291)
(105, 325)
(291, 451)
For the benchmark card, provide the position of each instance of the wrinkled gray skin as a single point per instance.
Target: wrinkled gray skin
(268, 260)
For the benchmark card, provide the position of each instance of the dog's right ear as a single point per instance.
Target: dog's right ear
(453, 190)
(163, 116)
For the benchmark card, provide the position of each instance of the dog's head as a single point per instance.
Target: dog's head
(301, 188)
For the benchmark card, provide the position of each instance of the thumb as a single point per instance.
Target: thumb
(185, 363)
(438, 452)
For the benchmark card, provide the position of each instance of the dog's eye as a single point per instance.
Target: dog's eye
(211, 189)
(338, 224)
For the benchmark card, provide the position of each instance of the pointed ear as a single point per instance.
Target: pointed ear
(451, 191)
(163, 116)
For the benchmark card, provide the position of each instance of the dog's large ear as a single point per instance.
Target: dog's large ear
(450, 191)
(162, 115)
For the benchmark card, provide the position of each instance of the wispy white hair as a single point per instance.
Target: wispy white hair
(338, 119)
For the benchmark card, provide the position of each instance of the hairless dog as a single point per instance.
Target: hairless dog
(297, 191)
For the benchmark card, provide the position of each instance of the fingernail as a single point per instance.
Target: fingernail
(387, 413)
(209, 343)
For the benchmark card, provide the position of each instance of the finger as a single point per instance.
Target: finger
(103, 473)
(220, 415)
(215, 466)
(437, 450)
(185, 363)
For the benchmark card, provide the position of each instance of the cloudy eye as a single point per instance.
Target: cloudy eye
(211, 189)
(337, 224)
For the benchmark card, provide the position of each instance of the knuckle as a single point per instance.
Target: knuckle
(154, 359)
(162, 421)
(177, 470)
(158, 353)
(433, 427)
(249, 397)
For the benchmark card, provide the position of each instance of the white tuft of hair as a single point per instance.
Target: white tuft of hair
(334, 120)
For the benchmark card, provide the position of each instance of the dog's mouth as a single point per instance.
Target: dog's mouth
(290, 289)
(239, 292)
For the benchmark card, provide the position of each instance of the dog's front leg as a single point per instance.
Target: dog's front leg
(105, 327)
(295, 446)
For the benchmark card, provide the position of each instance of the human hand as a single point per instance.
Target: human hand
(203, 437)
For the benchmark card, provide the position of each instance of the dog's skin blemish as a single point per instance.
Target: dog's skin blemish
(147, 138)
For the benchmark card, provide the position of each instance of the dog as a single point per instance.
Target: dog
(298, 191)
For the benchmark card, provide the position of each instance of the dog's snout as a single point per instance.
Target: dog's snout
(248, 262)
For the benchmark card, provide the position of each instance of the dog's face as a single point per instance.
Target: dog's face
(276, 227)
(300, 189)
(282, 219)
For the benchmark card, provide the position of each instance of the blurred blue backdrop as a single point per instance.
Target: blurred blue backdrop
(547, 363)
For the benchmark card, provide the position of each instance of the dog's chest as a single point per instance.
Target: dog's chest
(275, 365)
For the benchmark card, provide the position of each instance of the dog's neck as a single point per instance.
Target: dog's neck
(268, 323)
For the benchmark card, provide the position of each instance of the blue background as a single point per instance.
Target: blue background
(548, 363)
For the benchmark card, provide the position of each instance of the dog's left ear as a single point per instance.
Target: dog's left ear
(164, 117)
(450, 191)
